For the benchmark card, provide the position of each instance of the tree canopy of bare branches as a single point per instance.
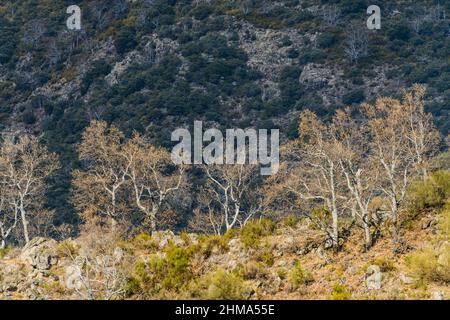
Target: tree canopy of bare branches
(229, 198)
(24, 167)
(123, 175)
(347, 164)
(356, 44)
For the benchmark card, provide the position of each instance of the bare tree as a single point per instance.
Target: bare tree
(100, 188)
(314, 176)
(356, 44)
(120, 7)
(198, 2)
(206, 218)
(419, 18)
(417, 22)
(389, 147)
(421, 132)
(99, 12)
(331, 14)
(344, 166)
(403, 137)
(266, 7)
(121, 176)
(153, 177)
(24, 167)
(356, 165)
(436, 13)
(231, 187)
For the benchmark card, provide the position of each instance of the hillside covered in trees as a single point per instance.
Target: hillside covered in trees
(153, 66)
(376, 184)
(86, 118)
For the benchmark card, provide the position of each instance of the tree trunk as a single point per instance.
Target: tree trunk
(367, 235)
(152, 217)
(394, 217)
(335, 230)
(25, 225)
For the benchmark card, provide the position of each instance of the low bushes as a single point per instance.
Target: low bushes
(144, 241)
(433, 192)
(430, 264)
(67, 249)
(160, 273)
(219, 285)
(299, 277)
(433, 263)
(252, 232)
(212, 244)
(4, 252)
(340, 292)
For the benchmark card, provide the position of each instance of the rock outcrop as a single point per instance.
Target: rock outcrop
(375, 278)
(40, 253)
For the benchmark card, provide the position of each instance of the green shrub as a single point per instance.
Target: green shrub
(213, 244)
(28, 117)
(132, 286)
(161, 273)
(340, 292)
(385, 265)
(178, 271)
(444, 222)
(266, 257)
(320, 213)
(100, 68)
(67, 248)
(433, 264)
(281, 273)
(185, 237)
(430, 265)
(220, 285)
(4, 251)
(290, 221)
(299, 277)
(144, 241)
(433, 192)
(252, 232)
(250, 270)
(442, 161)
(399, 31)
(225, 285)
(125, 40)
(326, 40)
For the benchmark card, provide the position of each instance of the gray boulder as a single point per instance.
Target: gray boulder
(375, 278)
(40, 253)
(72, 278)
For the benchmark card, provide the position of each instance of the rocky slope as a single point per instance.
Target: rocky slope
(291, 263)
(153, 66)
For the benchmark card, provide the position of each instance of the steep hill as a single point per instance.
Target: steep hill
(261, 261)
(153, 66)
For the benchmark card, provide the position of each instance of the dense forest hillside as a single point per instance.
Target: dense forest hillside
(153, 66)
